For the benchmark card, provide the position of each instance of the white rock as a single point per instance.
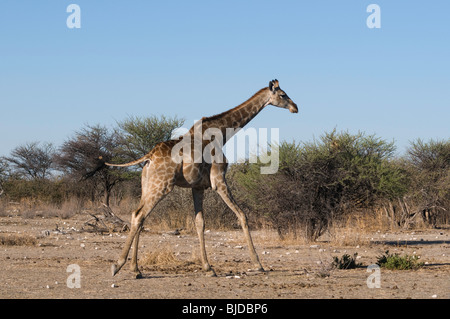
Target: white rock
(114, 286)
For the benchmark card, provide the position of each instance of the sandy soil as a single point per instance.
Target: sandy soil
(293, 270)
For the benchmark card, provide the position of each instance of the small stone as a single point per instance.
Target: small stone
(434, 296)
(114, 286)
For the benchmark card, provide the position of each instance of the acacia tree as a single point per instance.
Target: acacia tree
(32, 160)
(3, 174)
(429, 166)
(80, 155)
(138, 135)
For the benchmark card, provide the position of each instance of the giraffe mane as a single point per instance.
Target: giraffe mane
(214, 117)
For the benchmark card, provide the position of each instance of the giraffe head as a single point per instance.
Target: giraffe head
(279, 98)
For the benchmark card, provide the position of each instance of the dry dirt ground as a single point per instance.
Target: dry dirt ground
(41, 269)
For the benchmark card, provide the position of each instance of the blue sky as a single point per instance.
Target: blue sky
(199, 58)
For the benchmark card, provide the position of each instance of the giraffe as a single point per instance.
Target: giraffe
(161, 172)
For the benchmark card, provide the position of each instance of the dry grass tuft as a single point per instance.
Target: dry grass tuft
(165, 260)
(17, 240)
(355, 230)
(161, 256)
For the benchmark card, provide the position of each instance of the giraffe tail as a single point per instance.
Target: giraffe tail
(142, 159)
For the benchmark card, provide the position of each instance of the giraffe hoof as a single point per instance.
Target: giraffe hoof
(138, 275)
(114, 270)
(211, 273)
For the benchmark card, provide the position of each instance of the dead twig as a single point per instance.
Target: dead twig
(108, 222)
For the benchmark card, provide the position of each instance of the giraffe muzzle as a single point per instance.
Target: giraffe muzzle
(293, 108)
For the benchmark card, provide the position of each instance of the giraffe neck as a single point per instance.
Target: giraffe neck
(229, 122)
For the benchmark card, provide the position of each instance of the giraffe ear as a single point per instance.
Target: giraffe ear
(273, 85)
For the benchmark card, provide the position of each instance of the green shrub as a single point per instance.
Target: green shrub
(397, 262)
(321, 181)
(346, 262)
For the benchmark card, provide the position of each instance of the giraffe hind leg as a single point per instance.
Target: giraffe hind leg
(134, 266)
(137, 221)
(134, 229)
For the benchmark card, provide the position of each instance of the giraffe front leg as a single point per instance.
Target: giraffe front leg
(200, 226)
(225, 193)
